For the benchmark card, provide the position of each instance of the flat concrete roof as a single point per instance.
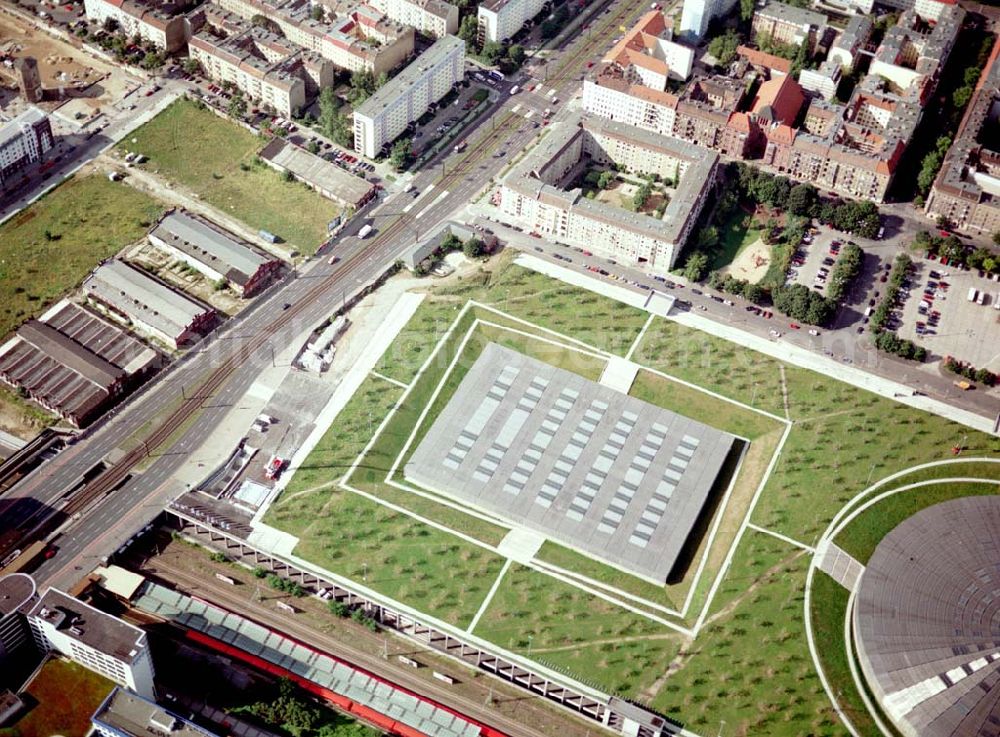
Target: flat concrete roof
(927, 618)
(16, 590)
(80, 621)
(401, 84)
(317, 172)
(538, 446)
(126, 713)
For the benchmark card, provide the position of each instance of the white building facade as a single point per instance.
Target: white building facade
(23, 141)
(501, 19)
(385, 115)
(94, 639)
(698, 14)
(431, 17)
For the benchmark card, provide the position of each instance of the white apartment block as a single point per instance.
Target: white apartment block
(94, 639)
(381, 118)
(23, 141)
(501, 19)
(431, 17)
(698, 14)
(157, 22)
(607, 94)
(532, 196)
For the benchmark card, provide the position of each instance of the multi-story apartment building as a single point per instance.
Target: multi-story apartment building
(501, 19)
(787, 24)
(850, 42)
(362, 40)
(381, 118)
(23, 141)
(532, 194)
(967, 189)
(276, 74)
(630, 83)
(913, 52)
(97, 640)
(608, 93)
(696, 16)
(161, 22)
(431, 17)
(757, 112)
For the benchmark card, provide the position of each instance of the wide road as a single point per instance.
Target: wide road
(269, 326)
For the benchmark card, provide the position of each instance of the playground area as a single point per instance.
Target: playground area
(751, 262)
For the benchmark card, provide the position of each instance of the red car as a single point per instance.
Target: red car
(794, 326)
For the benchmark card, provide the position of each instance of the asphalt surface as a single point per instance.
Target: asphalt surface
(398, 222)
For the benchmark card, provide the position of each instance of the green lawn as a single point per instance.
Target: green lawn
(738, 233)
(67, 695)
(216, 159)
(828, 610)
(87, 220)
(865, 532)
(558, 621)
(750, 666)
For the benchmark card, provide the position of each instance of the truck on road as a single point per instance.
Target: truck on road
(365, 231)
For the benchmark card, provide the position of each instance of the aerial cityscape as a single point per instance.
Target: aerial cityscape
(528, 368)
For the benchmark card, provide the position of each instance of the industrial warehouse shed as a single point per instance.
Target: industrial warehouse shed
(74, 363)
(215, 252)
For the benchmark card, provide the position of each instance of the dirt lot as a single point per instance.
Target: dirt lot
(751, 263)
(88, 83)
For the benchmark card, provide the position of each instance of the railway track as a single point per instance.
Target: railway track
(116, 474)
(225, 597)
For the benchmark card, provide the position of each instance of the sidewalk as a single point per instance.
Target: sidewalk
(791, 354)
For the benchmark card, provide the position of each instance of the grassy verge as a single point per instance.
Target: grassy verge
(217, 160)
(50, 247)
(865, 532)
(828, 610)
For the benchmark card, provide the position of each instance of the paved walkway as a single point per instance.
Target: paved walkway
(772, 347)
(521, 544)
(619, 374)
(366, 355)
(842, 567)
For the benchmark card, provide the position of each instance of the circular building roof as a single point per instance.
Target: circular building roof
(927, 620)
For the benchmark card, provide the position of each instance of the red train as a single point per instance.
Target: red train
(360, 711)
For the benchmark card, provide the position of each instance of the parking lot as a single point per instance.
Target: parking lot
(938, 315)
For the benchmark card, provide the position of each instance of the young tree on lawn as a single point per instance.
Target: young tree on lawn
(400, 154)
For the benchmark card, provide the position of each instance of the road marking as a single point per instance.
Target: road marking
(529, 113)
(409, 206)
(430, 187)
(436, 200)
(551, 93)
(516, 108)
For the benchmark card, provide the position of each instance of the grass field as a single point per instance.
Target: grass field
(738, 233)
(863, 534)
(87, 219)
(216, 159)
(749, 664)
(553, 620)
(67, 695)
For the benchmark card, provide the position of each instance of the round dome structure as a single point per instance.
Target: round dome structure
(927, 620)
